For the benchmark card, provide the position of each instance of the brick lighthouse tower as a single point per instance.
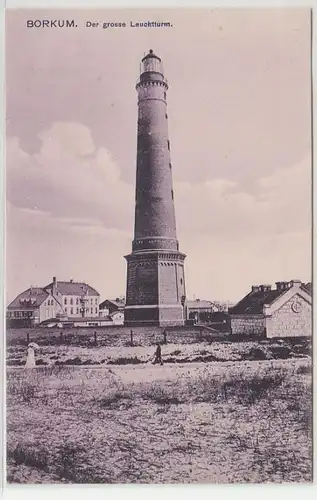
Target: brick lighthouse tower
(155, 269)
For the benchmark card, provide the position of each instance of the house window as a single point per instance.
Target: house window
(71, 301)
(71, 311)
(96, 301)
(91, 310)
(96, 310)
(91, 301)
(65, 300)
(77, 310)
(77, 300)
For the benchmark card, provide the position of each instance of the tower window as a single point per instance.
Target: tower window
(170, 164)
(168, 144)
(166, 116)
(165, 95)
(172, 194)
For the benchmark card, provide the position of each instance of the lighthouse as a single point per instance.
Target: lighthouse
(155, 293)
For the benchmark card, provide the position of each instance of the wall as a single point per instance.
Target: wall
(49, 309)
(285, 322)
(73, 305)
(247, 324)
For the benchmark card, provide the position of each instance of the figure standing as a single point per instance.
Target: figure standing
(158, 355)
(30, 360)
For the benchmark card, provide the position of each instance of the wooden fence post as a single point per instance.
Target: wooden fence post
(61, 337)
(95, 337)
(131, 337)
(164, 334)
(27, 338)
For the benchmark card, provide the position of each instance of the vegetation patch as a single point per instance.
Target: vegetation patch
(126, 361)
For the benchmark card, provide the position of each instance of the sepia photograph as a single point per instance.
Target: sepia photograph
(158, 290)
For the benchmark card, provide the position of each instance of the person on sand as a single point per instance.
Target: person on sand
(158, 355)
(30, 360)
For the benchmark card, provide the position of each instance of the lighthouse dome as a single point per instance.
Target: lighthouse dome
(151, 63)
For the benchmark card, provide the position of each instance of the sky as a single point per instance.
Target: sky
(239, 110)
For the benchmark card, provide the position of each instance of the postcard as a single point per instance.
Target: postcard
(158, 246)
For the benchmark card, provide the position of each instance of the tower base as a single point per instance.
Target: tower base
(155, 288)
(154, 315)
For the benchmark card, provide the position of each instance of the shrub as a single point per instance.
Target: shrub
(304, 370)
(115, 398)
(280, 351)
(23, 388)
(161, 395)
(29, 455)
(125, 361)
(249, 391)
(41, 362)
(256, 354)
(73, 361)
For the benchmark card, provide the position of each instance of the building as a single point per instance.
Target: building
(110, 306)
(155, 292)
(200, 311)
(117, 317)
(285, 311)
(32, 307)
(60, 300)
(77, 298)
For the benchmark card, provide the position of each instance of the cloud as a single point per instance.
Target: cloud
(69, 178)
(280, 203)
(71, 213)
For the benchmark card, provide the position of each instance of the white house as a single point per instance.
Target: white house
(31, 307)
(78, 299)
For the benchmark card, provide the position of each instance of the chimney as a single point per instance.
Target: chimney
(71, 280)
(255, 288)
(296, 283)
(265, 288)
(282, 285)
(54, 286)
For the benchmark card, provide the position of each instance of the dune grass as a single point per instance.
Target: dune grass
(243, 422)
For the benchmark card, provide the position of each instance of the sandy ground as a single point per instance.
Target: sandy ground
(159, 424)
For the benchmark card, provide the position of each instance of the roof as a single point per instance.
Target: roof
(33, 297)
(151, 54)
(115, 302)
(92, 319)
(253, 302)
(114, 313)
(73, 288)
(200, 304)
(308, 287)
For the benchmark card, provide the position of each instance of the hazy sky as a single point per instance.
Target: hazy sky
(239, 122)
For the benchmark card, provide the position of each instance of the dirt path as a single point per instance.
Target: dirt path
(147, 372)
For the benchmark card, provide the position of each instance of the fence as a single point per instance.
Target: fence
(109, 336)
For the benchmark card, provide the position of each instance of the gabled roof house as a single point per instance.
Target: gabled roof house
(285, 311)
